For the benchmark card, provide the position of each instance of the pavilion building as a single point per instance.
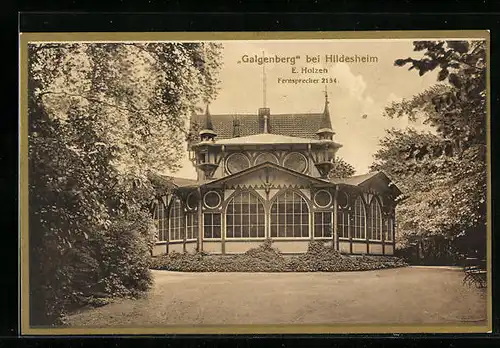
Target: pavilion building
(265, 176)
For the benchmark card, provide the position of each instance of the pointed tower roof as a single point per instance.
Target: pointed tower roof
(208, 128)
(326, 123)
(208, 119)
(325, 119)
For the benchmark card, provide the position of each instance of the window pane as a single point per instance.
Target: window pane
(290, 216)
(207, 219)
(261, 231)
(374, 222)
(274, 231)
(281, 219)
(281, 231)
(260, 208)
(216, 219)
(237, 231)
(305, 230)
(211, 225)
(216, 232)
(359, 219)
(177, 220)
(274, 219)
(297, 232)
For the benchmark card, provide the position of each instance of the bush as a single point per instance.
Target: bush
(266, 258)
(109, 264)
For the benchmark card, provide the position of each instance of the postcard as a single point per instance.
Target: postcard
(308, 182)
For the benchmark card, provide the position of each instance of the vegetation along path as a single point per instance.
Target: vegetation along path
(404, 295)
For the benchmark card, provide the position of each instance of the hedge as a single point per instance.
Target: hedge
(266, 258)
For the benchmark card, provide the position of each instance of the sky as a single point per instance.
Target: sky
(357, 99)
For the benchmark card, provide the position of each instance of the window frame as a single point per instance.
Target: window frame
(162, 221)
(354, 218)
(248, 214)
(303, 202)
(181, 218)
(323, 212)
(374, 209)
(265, 154)
(191, 194)
(205, 200)
(212, 225)
(226, 162)
(306, 169)
(345, 222)
(390, 230)
(193, 225)
(329, 195)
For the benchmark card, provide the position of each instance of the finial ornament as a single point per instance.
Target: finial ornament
(207, 132)
(325, 132)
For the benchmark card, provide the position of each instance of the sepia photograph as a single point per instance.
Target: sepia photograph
(255, 183)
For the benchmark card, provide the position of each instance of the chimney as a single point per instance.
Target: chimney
(236, 128)
(264, 120)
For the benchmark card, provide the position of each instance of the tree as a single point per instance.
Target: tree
(443, 172)
(102, 116)
(341, 169)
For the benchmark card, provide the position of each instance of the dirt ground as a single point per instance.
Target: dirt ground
(411, 295)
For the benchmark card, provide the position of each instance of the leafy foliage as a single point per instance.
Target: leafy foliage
(442, 172)
(341, 169)
(266, 258)
(102, 117)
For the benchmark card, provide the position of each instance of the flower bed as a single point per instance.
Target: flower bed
(266, 258)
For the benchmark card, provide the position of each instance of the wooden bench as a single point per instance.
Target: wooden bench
(475, 272)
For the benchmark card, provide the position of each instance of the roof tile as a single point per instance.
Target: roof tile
(295, 125)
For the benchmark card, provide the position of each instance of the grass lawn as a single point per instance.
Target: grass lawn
(410, 295)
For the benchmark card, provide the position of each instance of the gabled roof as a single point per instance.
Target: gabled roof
(176, 181)
(357, 180)
(295, 125)
(267, 138)
(354, 180)
(268, 165)
(180, 182)
(366, 179)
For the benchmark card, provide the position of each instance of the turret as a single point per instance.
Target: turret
(207, 132)
(324, 153)
(208, 154)
(325, 131)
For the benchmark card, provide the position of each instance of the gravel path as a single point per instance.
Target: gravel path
(405, 295)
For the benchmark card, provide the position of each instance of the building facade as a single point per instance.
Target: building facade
(268, 176)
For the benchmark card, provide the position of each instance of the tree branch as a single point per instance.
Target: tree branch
(95, 100)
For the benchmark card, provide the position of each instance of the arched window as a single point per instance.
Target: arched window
(176, 220)
(359, 217)
(160, 216)
(192, 225)
(374, 225)
(388, 229)
(343, 224)
(289, 216)
(266, 157)
(237, 162)
(245, 217)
